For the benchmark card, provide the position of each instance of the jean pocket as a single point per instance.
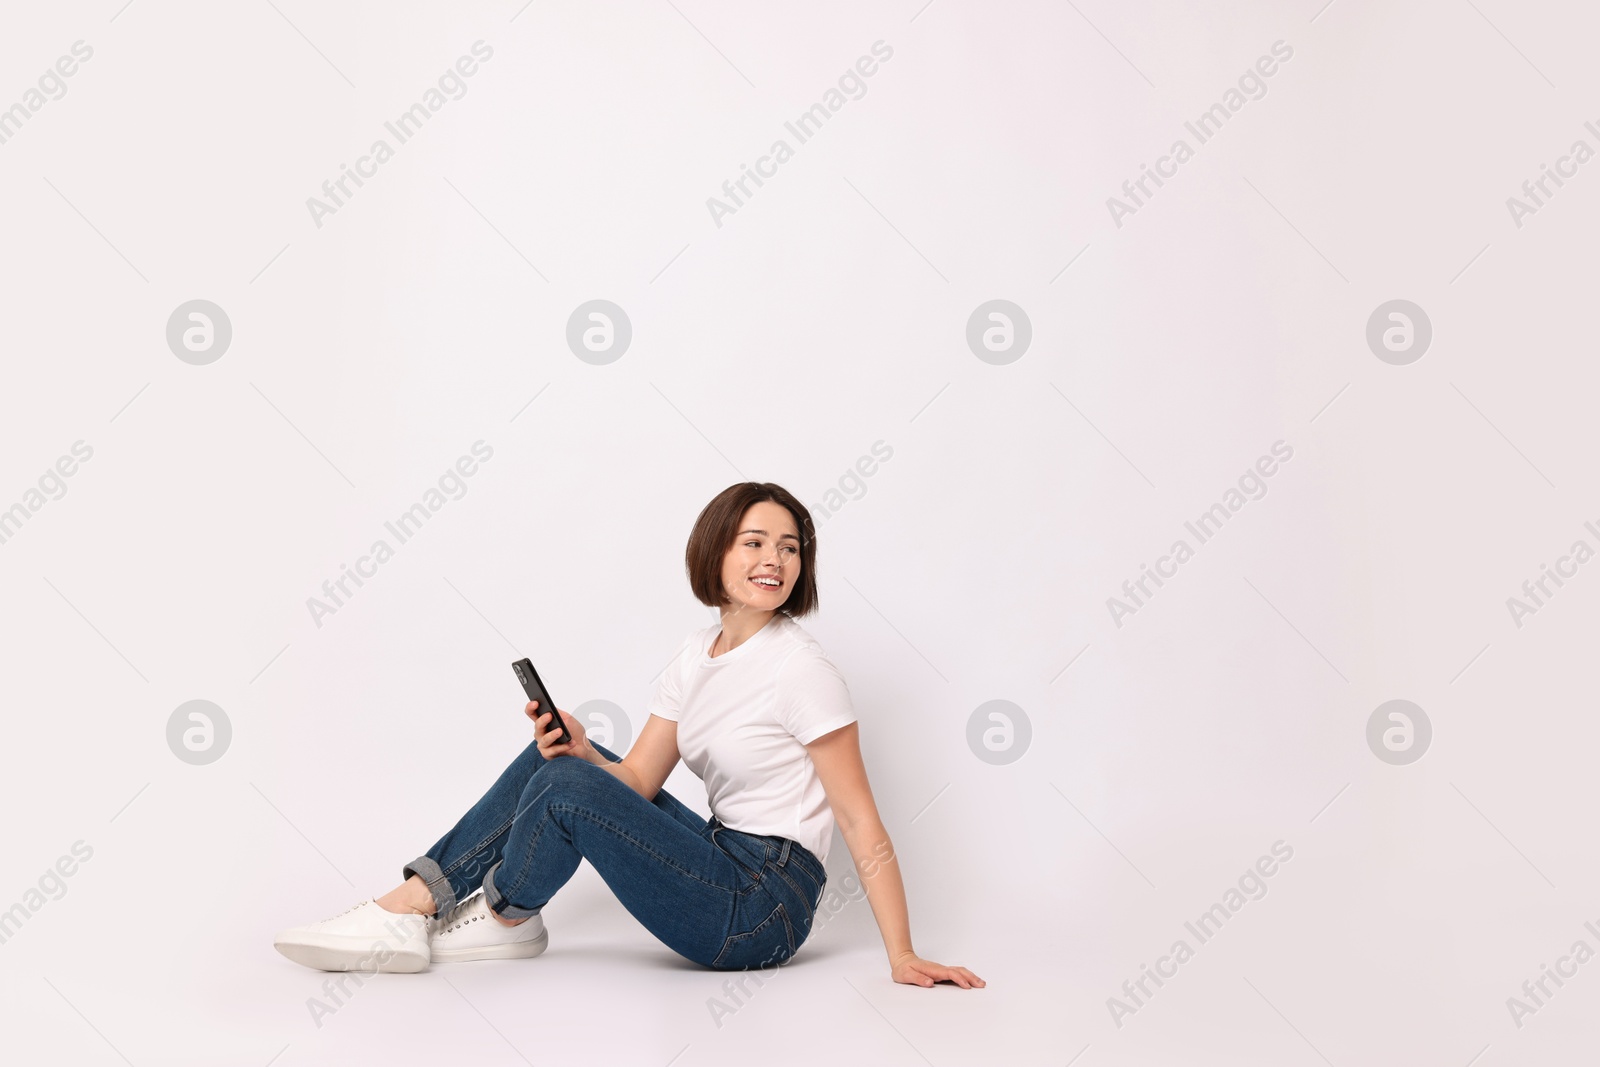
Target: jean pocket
(748, 854)
(772, 941)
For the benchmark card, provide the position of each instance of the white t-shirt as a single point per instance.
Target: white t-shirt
(744, 718)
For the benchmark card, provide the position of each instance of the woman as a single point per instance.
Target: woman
(755, 709)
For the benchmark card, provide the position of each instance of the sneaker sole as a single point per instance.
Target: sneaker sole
(332, 956)
(515, 950)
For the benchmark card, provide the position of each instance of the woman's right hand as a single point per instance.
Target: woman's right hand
(548, 739)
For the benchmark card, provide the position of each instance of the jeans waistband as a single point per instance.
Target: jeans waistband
(784, 844)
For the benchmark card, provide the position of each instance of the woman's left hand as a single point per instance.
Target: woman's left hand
(914, 970)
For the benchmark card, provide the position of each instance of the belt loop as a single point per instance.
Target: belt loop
(783, 854)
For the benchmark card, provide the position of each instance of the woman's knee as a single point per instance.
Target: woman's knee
(558, 778)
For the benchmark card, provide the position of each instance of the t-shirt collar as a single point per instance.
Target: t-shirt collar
(707, 660)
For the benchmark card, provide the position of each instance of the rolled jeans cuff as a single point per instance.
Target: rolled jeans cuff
(444, 898)
(499, 904)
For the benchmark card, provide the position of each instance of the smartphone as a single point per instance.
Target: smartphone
(536, 691)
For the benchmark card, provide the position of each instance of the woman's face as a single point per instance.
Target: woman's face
(768, 546)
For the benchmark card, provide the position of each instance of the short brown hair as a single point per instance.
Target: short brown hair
(714, 532)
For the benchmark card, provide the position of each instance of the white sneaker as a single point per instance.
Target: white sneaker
(362, 938)
(469, 931)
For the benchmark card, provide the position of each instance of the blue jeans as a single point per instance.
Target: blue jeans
(719, 897)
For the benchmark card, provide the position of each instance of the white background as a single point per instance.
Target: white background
(828, 313)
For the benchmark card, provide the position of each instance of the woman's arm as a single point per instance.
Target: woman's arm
(837, 757)
(619, 770)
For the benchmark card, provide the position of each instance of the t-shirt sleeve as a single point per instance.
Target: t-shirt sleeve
(812, 696)
(668, 696)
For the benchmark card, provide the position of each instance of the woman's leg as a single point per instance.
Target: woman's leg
(718, 904)
(453, 868)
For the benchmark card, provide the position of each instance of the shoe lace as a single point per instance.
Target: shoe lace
(455, 912)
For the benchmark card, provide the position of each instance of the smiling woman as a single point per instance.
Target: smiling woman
(750, 531)
(754, 707)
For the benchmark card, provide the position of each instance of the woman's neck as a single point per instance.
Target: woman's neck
(738, 626)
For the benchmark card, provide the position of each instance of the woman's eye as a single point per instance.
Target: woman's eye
(757, 544)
